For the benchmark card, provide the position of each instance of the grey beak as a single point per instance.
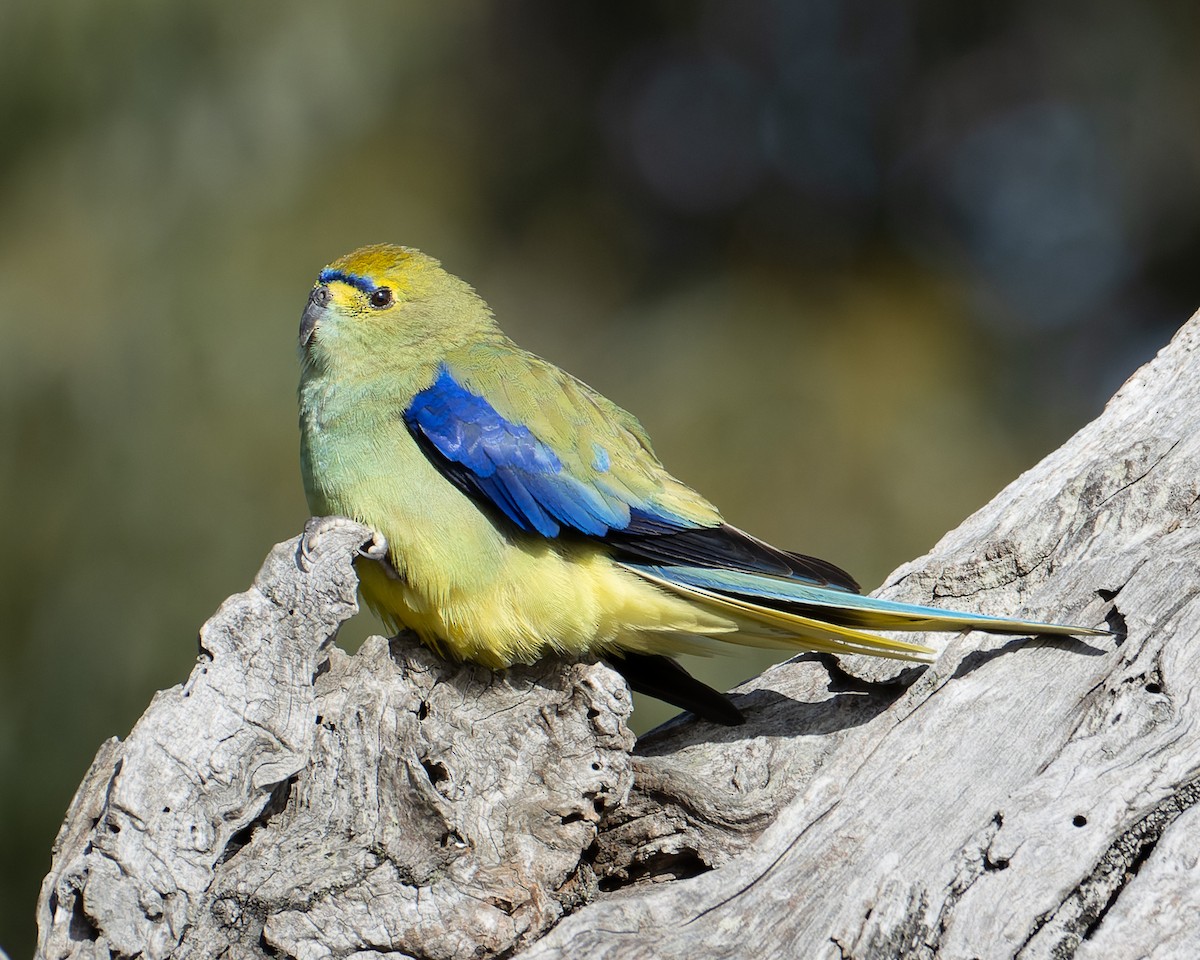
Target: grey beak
(315, 309)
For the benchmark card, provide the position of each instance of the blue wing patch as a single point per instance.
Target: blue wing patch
(502, 463)
(519, 474)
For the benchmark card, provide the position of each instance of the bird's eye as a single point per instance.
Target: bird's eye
(381, 297)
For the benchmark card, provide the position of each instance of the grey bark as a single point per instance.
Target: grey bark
(1022, 797)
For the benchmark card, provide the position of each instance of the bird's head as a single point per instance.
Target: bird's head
(383, 301)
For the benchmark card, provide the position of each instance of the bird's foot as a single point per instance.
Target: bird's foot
(376, 548)
(318, 530)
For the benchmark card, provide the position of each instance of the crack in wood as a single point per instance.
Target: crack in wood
(1146, 471)
(1080, 914)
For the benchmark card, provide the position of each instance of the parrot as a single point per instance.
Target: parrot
(521, 514)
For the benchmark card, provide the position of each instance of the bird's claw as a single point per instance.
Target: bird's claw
(318, 529)
(376, 548)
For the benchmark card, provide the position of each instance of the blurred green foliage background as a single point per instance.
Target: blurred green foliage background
(854, 264)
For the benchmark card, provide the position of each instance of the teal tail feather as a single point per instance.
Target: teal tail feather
(782, 612)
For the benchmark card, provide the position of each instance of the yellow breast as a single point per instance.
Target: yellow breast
(545, 599)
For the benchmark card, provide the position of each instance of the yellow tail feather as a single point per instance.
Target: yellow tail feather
(787, 631)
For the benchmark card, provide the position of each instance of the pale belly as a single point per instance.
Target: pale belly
(541, 601)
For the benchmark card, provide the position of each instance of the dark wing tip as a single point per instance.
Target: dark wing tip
(726, 546)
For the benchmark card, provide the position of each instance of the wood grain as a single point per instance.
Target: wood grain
(1021, 797)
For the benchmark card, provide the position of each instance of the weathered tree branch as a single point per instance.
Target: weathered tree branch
(1019, 798)
(289, 798)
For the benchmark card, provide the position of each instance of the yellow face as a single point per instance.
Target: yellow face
(381, 299)
(373, 279)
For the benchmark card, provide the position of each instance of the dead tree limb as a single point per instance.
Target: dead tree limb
(1020, 798)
